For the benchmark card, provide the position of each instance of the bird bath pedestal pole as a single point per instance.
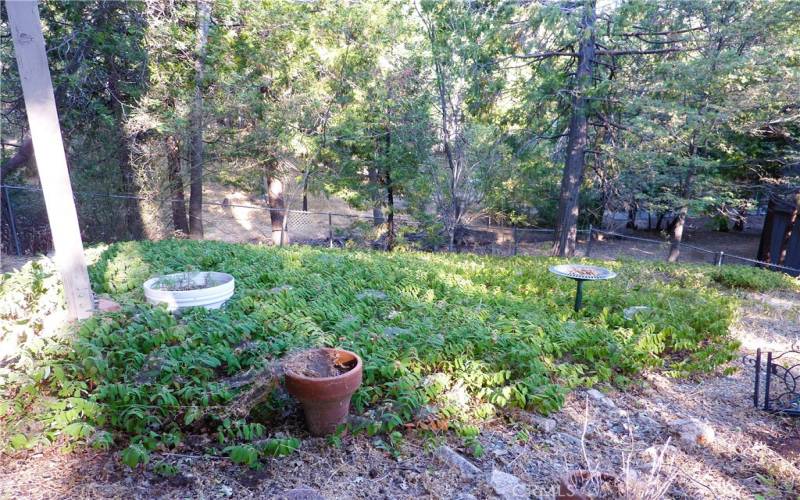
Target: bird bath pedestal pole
(581, 273)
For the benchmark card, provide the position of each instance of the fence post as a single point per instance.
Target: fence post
(12, 224)
(589, 243)
(330, 230)
(514, 235)
(284, 223)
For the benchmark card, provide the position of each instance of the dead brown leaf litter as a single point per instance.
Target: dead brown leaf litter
(751, 454)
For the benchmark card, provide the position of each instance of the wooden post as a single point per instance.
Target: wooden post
(330, 230)
(40, 105)
(514, 235)
(589, 241)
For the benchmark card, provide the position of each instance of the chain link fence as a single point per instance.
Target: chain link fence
(106, 217)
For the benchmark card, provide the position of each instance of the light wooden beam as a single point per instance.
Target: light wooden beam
(40, 105)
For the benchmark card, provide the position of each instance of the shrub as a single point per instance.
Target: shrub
(451, 336)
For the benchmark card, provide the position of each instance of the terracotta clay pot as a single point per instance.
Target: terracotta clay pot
(326, 400)
(568, 482)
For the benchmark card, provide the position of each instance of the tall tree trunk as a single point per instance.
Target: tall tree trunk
(677, 234)
(660, 221)
(452, 161)
(633, 212)
(389, 195)
(178, 203)
(196, 169)
(390, 211)
(787, 233)
(679, 222)
(375, 189)
(21, 157)
(305, 192)
(739, 219)
(277, 205)
(575, 163)
(134, 226)
(765, 245)
(456, 211)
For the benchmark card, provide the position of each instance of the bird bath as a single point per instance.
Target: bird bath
(581, 273)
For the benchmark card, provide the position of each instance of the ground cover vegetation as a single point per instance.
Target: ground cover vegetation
(546, 113)
(450, 340)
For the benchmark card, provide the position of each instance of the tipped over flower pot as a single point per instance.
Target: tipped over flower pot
(323, 380)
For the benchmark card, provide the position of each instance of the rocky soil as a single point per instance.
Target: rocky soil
(695, 438)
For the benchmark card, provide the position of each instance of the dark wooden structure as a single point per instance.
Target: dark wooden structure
(780, 238)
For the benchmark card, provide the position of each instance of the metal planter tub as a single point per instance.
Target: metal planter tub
(183, 290)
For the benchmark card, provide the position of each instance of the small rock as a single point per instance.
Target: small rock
(601, 399)
(693, 431)
(282, 288)
(507, 486)
(593, 431)
(568, 439)
(465, 496)
(426, 412)
(454, 459)
(302, 493)
(9, 352)
(544, 424)
(458, 395)
(630, 312)
(621, 429)
(437, 379)
(348, 321)
(372, 294)
(393, 331)
(647, 422)
(652, 453)
(107, 305)
(226, 490)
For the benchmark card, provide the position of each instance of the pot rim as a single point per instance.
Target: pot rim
(227, 280)
(305, 378)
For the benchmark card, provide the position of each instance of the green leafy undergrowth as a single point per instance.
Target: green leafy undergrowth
(448, 337)
(753, 278)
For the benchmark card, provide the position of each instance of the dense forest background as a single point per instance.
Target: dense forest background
(534, 113)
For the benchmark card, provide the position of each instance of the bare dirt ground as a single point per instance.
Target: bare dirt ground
(237, 216)
(699, 233)
(743, 452)
(9, 263)
(244, 218)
